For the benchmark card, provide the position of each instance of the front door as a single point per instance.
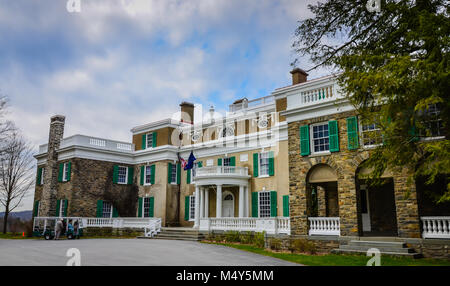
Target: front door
(228, 206)
(365, 211)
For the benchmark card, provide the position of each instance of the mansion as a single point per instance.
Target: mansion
(288, 163)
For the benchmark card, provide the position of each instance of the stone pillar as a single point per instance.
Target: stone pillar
(321, 202)
(206, 215)
(408, 221)
(197, 207)
(241, 201)
(48, 202)
(348, 211)
(219, 201)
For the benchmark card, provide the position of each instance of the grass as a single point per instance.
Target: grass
(337, 259)
(10, 235)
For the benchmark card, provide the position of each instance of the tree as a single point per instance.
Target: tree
(393, 67)
(16, 174)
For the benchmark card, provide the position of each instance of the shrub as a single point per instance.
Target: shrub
(232, 236)
(302, 245)
(258, 240)
(247, 237)
(275, 244)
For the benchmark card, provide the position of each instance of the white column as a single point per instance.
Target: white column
(219, 201)
(241, 201)
(197, 207)
(247, 200)
(202, 205)
(206, 202)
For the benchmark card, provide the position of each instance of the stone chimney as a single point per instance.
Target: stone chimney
(48, 202)
(187, 112)
(298, 76)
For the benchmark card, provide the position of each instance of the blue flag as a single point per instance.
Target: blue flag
(190, 163)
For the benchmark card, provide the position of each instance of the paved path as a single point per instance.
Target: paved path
(129, 252)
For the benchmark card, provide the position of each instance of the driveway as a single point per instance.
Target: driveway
(152, 252)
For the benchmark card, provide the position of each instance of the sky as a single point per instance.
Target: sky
(121, 63)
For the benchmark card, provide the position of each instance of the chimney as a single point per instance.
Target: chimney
(298, 76)
(187, 112)
(48, 203)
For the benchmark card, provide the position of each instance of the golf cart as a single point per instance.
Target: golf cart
(45, 227)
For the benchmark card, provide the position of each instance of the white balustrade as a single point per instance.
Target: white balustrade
(221, 170)
(273, 225)
(319, 94)
(248, 104)
(436, 227)
(324, 226)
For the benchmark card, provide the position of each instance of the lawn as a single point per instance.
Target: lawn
(337, 259)
(10, 235)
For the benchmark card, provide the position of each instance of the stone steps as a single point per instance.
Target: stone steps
(177, 233)
(391, 248)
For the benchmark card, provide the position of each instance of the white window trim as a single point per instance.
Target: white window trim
(64, 178)
(195, 166)
(311, 140)
(42, 176)
(361, 137)
(146, 140)
(223, 161)
(145, 175)
(126, 175)
(176, 174)
(259, 165)
(61, 207)
(259, 203)
(111, 212)
(38, 208)
(143, 206)
(191, 206)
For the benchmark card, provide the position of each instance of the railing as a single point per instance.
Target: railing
(252, 103)
(275, 225)
(324, 226)
(221, 170)
(436, 227)
(93, 142)
(319, 94)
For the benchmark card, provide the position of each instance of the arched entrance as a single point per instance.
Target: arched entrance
(228, 204)
(376, 204)
(322, 192)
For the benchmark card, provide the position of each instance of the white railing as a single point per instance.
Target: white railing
(436, 227)
(324, 226)
(221, 170)
(275, 225)
(318, 94)
(153, 228)
(251, 103)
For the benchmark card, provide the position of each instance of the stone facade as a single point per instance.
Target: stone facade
(345, 163)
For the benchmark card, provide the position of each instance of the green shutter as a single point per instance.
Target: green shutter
(186, 208)
(200, 164)
(304, 140)
(271, 164)
(115, 212)
(130, 175)
(66, 205)
(233, 161)
(39, 176)
(69, 170)
(154, 139)
(255, 165)
(60, 173)
(115, 173)
(152, 174)
(152, 207)
(144, 141)
(178, 173)
(273, 203)
(139, 207)
(352, 133)
(255, 204)
(333, 133)
(36, 209)
(219, 162)
(58, 205)
(169, 172)
(286, 206)
(142, 175)
(100, 208)
(413, 133)
(188, 176)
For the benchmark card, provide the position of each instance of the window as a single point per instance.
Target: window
(107, 210)
(371, 135)
(264, 164)
(191, 207)
(62, 208)
(122, 175)
(149, 140)
(264, 204)
(432, 122)
(320, 138)
(42, 176)
(66, 172)
(226, 161)
(194, 171)
(148, 175)
(173, 173)
(146, 207)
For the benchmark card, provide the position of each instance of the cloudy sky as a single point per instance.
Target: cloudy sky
(122, 63)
